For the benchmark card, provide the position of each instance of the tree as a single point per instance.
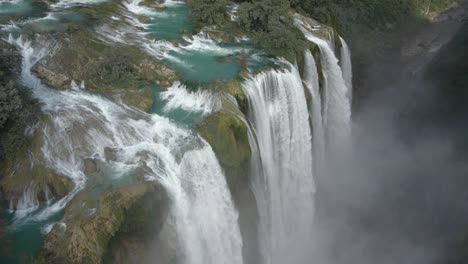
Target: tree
(209, 11)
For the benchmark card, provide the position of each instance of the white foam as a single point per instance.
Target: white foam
(178, 97)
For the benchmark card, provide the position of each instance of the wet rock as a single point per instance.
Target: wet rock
(110, 154)
(90, 167)
(134, 212)
(51, 78)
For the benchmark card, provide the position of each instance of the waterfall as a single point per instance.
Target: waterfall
(81, 125)
(285, 190)
(177, 96)
(311, 81)
(346, 67)
(205, 219)
(336, 105)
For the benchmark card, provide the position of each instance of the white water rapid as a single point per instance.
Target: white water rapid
(178, 96)
(285, 190)
(82, 125)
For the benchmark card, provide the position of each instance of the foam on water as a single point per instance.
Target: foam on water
(178, 97)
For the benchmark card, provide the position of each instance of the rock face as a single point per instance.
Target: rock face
(227, 135)
(115, 70)
(97, 228)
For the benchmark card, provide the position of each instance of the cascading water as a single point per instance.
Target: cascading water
(336, 105)
(285, 190)
(82, 125)
(311, 81)
(347, 68)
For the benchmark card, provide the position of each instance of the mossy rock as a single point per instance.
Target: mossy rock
(93, 223)
(234, 88)
(109, 69)
(228, 137)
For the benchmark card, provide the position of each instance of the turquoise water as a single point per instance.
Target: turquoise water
(24, 241)
(170, 23)
(195, 65)
(203, 66)
(22, 6)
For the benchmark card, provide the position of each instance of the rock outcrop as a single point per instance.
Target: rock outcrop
(97, 227)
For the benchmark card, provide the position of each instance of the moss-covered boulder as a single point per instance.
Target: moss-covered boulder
(96, 226)
(227, 135)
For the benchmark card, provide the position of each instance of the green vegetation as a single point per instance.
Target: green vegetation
(10, 101)
(271, 27)
(266, 22)
(209, 11)
(269, 24)
(16, 105)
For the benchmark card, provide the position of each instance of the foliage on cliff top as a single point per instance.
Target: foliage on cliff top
(267, 22)
(370, 23)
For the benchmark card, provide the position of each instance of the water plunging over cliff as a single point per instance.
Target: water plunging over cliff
(81, 125)
(346, 67)
(311, 81)
(336, 93)
(285, 189)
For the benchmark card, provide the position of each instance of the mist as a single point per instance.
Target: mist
(399, 194)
